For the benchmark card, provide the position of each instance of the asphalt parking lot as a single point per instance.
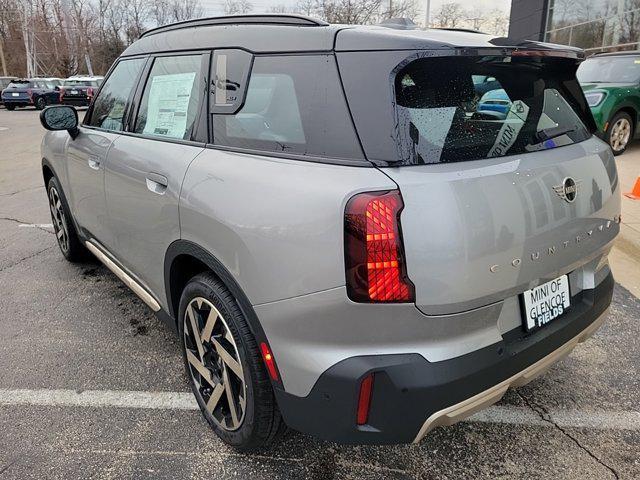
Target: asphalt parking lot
(92, 385)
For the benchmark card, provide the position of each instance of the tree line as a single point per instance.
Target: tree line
(68, 37)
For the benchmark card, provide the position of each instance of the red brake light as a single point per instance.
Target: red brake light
(269, 361)
(61, 94)
(364, 400)
(89, 92)
(30, 93)
(374, 256)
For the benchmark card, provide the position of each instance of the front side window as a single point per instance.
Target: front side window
(172, 97)
(292, 105)
(473, 108)
(110, 105)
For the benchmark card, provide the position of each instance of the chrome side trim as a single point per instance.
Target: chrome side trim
(466, 408)
(122, 275)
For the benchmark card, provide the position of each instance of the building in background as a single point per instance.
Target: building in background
(595, 25)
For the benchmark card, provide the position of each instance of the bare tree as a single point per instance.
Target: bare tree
(185, 10)
(449, 15)
(161, 12)
(497, 22)
(234, 7)
(400, 8)
(137, 13)
(305, 7)
(348, 11)
(280, 8)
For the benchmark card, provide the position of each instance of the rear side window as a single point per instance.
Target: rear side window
(423, 109)
(110, 105)
(172, 97)
(292, 105)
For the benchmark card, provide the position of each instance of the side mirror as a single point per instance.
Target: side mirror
(60, 117)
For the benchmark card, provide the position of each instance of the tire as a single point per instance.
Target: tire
(40, 103)
(63, 226)
(255, 421)
(620, 132)
(11, 108)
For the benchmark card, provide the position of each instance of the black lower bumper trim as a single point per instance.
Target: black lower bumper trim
(408, 388)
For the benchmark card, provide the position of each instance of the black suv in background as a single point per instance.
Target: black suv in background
(79, 91)
(34, 92)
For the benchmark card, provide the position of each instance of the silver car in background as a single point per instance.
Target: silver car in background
(344, 241)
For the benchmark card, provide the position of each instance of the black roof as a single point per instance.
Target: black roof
(294, 33)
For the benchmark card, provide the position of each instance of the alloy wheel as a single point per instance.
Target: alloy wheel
(620, 134)
(214, 363)
(59, 219)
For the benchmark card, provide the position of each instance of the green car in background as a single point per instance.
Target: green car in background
(611, 84)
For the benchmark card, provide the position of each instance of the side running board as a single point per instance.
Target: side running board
(124, 276)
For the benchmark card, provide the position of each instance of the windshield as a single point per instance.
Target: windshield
(623, 69)
(447, 111)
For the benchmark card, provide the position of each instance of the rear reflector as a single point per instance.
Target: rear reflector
(269, 361)
(364, 400)
(374, 256)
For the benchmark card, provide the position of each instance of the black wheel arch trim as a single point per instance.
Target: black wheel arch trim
(624, 108)
(186, 247)
(47, 164)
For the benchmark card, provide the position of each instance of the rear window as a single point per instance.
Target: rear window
(80, 83)
(19, 85)
(419, 109)
(446, 113)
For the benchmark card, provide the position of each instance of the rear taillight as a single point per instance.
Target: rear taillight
(30, 93)
(61, 94)
(374, 255)
(89, 92)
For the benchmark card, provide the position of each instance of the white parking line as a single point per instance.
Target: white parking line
(100, 398)
(506, 414)
(36, 225)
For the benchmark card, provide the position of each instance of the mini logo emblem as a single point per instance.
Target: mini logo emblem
(568, 190)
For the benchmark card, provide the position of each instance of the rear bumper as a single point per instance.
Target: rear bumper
(76, 101)
(412, 396)
(17, 103)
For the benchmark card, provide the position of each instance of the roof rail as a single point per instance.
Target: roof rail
(451, 29)
(621, 52)
(268, 19)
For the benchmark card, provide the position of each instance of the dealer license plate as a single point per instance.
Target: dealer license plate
(74, 92)
(15, 94)
(546, 302)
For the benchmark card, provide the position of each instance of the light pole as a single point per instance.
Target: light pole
(427, 20)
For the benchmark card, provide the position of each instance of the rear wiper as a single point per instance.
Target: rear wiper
(552, 132)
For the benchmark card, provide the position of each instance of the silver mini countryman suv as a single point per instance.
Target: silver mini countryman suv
(359, 232)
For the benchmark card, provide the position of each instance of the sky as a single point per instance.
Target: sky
(215, 7)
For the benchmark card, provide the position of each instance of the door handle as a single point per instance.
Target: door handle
(94, 163)
(157, 183)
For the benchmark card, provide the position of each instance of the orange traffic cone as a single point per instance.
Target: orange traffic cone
(635, 193)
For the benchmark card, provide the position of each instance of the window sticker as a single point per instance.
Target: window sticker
(428, 129)
(510, 129)
(168, 104)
